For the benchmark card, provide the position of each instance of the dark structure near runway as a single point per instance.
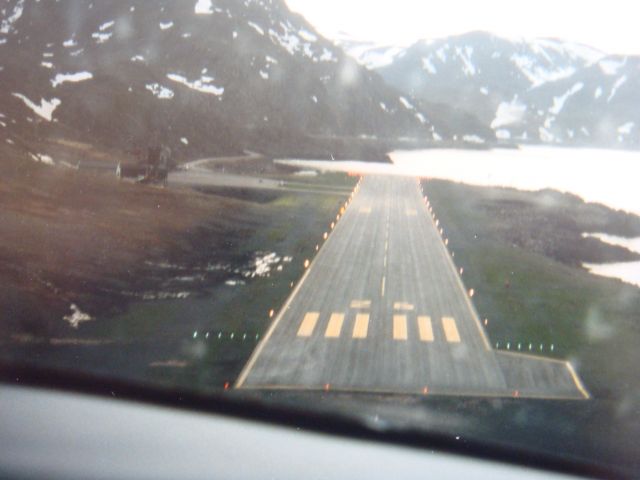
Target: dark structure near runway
(150, 168)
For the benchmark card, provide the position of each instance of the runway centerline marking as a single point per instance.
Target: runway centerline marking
(402, 306)
(450, 330)
(335, 325)
(360, 303)
(384, 279)
(308, 324)
(425, 329)
(361, 327)
(399, 327)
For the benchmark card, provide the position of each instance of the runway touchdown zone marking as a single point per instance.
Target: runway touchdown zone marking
(308, 324)
(425, 328)
(361, 326)
(400, 327)
(450, 330)
(335, 325)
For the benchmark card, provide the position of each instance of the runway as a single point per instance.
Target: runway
(382, 308)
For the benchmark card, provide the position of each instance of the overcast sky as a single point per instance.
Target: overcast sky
(611, 25)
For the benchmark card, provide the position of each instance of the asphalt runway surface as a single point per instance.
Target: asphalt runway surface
(382, 308)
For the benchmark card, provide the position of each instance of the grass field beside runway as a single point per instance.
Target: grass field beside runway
(531, 299)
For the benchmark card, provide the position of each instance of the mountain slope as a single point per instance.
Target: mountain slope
(539, 91)
(203, 77)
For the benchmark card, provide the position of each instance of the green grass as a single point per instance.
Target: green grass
(591, 320)
(290, 225)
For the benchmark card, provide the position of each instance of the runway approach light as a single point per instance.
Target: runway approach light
(486, 322)
(446, 241)
(325, 236)
(471, 292)
(271, 312)
(437, 222)
(461, 270)
(317, 247)
(306, 264)
(333, 224)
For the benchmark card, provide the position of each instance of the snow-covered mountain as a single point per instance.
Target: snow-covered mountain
(538, 91)
(203, 76)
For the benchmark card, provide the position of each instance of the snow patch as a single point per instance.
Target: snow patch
(545, 135)
(429, 66)
(184, 140)
(406, 103)
(160, 91)
(598, 93)
(503, 134)
(101, 37)
(165, 26)
(61, 78)
(537, 74)
(611, 66)
(616, 86)
(307, 35)
(41, 158)
(77, 317)
(327, 56)
(509, 113)
(204, 7)
(558, 102)
(106, 26)
(201, 85)
(16, 13)
(468, 68)
(262, 265)
(256, 27)
(45, 109)
(626, 129)
(264, 75)
(473, 139)
(137, 58)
